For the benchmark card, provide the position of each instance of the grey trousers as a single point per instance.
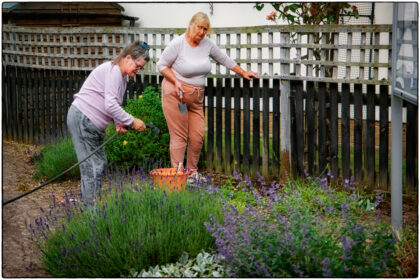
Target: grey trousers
(86, 138)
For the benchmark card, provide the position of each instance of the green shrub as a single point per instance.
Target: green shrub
(132, 148)
(238, 197)
(55, 158)
(316, 195)
(204, 265)
(131, 228)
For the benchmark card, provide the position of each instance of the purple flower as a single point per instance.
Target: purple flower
(344, 208)
(63, 252)
(329, 174)
(326, 271)
(319, 202)
(246, 181)
(328, 208)
(237, 175)
(346, 246)
(379, 199)
(260, 179)
(297, 270)
(323, 182)
(359, 229)
(346, 183)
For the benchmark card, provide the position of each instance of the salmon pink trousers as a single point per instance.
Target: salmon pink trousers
(184, 130)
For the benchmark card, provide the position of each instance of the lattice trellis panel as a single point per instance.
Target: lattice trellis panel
(343, 53)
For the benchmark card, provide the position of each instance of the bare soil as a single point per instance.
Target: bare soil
(19, 253)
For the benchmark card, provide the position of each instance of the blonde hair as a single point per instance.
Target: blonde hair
(135, 50)
(198, 16)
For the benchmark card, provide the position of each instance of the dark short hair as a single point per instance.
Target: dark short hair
(136, 50)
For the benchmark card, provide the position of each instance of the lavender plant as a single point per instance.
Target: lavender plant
(132, 227)
(299, 234)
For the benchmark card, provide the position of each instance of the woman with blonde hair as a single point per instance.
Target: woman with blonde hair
(97, 103)
(184, 63)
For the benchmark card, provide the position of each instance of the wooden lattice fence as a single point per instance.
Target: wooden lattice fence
(332, 112)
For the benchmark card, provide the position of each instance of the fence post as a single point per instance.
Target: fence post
(285, 129)
(105, 50)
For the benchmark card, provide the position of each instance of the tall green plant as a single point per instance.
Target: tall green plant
(55, 158)
(134, 147)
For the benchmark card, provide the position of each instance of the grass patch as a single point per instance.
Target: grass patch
(55, 158)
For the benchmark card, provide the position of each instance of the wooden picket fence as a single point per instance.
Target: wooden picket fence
(243, 132)
(35, 101)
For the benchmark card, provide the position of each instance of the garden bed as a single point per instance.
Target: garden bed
(17, 170)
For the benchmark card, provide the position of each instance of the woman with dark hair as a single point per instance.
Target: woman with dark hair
(184, 63)
(97, 104)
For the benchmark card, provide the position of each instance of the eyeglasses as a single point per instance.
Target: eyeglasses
(144, 45)
(139, 67)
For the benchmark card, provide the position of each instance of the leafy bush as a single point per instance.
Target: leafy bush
(237, 192)
(291, 238)
(131, 228)
(55, 158)
(316, 195)
(204, 265)
(127, 150)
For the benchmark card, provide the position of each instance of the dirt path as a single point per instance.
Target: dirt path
(19, 254)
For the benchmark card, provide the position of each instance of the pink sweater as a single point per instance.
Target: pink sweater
(101, 96)
(191, 64)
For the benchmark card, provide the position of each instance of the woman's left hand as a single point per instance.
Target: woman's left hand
(249, 74)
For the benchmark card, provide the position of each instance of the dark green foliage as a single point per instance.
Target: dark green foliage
(130, 149)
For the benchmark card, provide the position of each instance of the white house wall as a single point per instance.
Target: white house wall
(177, 15)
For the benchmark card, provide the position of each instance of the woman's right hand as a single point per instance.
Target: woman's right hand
(121, 129)
(170, 76)
(138, 125)
(178, 87)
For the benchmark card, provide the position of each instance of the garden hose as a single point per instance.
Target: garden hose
(155, 130)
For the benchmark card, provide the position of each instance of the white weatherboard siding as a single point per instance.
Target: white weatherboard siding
(177, 15)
